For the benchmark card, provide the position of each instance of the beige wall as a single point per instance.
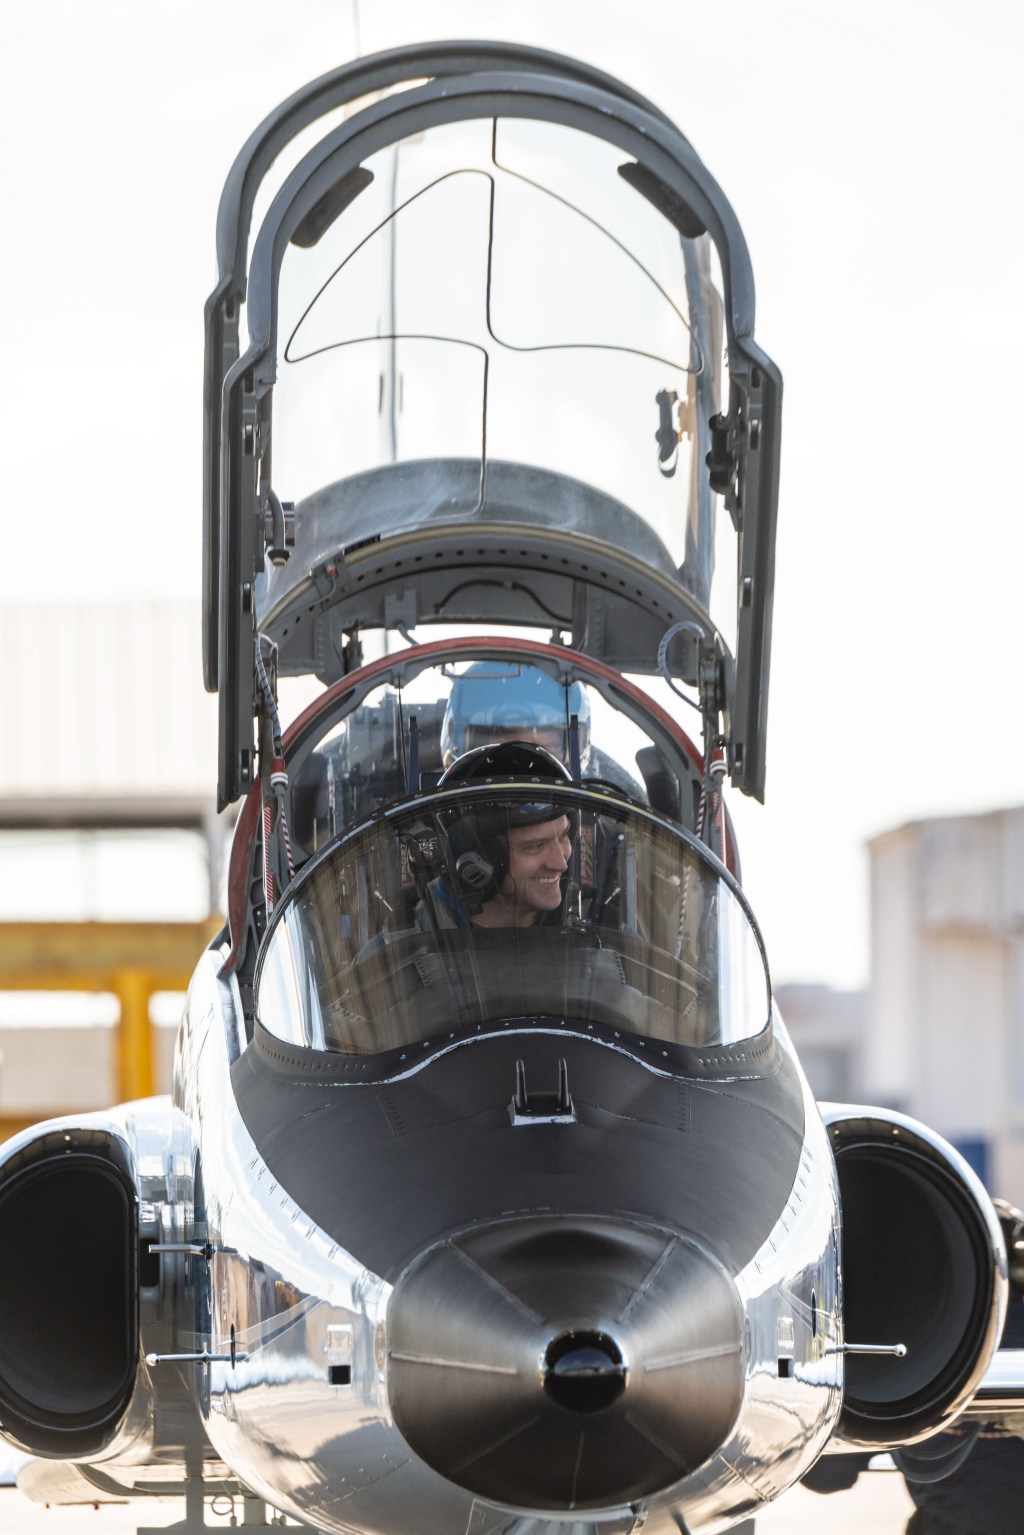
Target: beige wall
(945, 1030)
(47, 1070)
(106, 698)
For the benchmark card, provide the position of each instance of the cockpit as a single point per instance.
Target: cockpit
(425, 927)
(480, 370)
(427, 706)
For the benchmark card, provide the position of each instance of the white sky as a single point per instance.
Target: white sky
(873, 156)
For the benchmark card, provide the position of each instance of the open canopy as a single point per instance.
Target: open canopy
(471, 370)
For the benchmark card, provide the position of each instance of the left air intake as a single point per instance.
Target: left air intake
(68, 1293)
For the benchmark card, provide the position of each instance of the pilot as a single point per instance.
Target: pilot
(507, 860)
(494, 701)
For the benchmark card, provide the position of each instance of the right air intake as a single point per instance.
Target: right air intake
(923, 1264)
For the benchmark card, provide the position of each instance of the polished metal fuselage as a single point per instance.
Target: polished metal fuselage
(303, 1414)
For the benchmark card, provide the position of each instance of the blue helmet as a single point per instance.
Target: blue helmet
(509, 700)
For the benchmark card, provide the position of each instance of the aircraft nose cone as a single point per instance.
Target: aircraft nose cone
(584, 1372)
(565, 1364)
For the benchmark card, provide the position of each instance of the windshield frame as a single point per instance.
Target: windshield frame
(751, 1055)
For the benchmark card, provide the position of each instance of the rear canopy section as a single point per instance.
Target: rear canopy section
(485, 359)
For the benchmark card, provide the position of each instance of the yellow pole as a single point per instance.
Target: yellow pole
(135, 1037)
(130, 959)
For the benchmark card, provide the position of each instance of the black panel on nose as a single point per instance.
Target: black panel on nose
(565, 1363)
(715, 1154)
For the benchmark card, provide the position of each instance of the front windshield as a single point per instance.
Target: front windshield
(470, 909)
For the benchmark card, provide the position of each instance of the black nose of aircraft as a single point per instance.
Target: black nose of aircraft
(565, 1363)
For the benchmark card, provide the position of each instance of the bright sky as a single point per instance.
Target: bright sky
(872, 153)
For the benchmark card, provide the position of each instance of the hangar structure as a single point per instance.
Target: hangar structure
(100, 789)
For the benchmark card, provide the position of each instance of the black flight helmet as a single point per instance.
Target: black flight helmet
(478, 832)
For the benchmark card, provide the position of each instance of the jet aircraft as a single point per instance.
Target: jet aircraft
(449, 1224)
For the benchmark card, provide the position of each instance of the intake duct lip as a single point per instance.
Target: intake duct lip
(923, 1264)
(68, 1296)
(565, 1363)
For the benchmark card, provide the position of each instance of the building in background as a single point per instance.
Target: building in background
(939, 1034)
(944, 1037)
(110, 844)
(827, 1027)
(105, 697)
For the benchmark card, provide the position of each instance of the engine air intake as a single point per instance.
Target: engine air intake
(68, 1294)
(922, 1263)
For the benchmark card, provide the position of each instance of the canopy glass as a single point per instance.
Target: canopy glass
(498, 291)
(467, 911)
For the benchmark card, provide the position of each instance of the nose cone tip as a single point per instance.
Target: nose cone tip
(558, 1365)
(583, 1371)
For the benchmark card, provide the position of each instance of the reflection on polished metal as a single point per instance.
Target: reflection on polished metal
(1003, 1386)
(576, 1363)
(297, 1302)
(584, 1372)
(897, 1350)
(204, 1357)
(189, 1249)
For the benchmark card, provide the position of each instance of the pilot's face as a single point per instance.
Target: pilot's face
(538, 856)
